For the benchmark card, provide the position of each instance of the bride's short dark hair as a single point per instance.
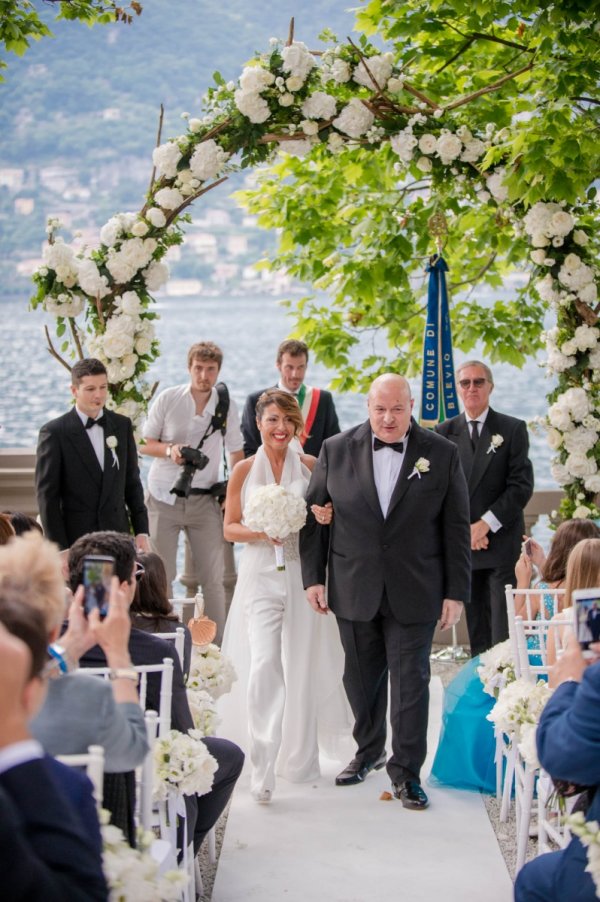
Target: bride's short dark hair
(285, 401)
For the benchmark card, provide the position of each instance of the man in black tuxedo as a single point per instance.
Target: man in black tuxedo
(87, 474)
(318, 409)
(397, 559)
(144, 648)
(493, 451)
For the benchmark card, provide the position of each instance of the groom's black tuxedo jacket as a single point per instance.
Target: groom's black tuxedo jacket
(418, 554)
(74, 495)
(500, 481)
(325, 424)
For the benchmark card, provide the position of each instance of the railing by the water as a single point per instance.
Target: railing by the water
(17, 493)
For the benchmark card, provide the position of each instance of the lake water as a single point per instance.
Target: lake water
(248, 329)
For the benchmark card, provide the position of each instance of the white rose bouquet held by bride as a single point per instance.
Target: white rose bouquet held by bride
(274, 510)
(182, 762)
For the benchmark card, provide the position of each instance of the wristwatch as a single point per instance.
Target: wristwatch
(169, 449)
(123, 673)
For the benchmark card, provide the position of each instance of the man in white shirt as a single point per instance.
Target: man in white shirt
(493, 451)
(190, 417)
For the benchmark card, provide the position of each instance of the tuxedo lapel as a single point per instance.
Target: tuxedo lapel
(76, 435)
(110, 467)
(418, 446)
(482, 459)
(361, 447)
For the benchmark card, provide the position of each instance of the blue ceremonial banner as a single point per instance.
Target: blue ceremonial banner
(438, 393)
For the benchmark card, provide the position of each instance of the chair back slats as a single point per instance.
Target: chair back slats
(166, 688)
(548, 601)
(145, 773)
(178, 637)
(534, 638)
(93, 762)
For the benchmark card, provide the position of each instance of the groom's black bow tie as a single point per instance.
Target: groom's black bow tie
(396, 446)
(101, 421)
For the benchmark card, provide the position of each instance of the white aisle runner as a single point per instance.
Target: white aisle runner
(317, 842)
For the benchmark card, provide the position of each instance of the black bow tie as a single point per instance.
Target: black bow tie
(396, 446)
(101, 421)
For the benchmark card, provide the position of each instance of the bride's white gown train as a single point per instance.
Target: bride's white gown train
(288, 700)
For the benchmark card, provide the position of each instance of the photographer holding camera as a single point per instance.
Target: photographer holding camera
(188, 430)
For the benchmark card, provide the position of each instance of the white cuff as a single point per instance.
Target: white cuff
(493, 522)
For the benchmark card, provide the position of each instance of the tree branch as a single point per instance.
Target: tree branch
(158, 135)
(478, 275)
(488, 90)
(190, 200)
(75, 334)
(52, 350)
(290, 39)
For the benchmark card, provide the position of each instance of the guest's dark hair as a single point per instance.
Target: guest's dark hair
(6, 529)
(568, 534)
(285, 401)
(22, 522)
(293, 347)
(25, 622)
(116, 544)
(151, 592)
(89, 366)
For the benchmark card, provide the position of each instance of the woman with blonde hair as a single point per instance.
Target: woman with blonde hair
(583, 572)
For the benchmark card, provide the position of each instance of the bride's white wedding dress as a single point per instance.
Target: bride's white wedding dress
(288, 699)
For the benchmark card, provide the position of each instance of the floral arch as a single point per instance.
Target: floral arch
(294, 100)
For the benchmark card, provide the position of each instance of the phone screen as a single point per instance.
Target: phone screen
(586, 603)
(97, 574)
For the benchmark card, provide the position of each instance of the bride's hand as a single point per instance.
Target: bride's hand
(323, 515)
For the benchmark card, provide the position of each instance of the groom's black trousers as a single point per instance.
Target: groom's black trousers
(373, 649)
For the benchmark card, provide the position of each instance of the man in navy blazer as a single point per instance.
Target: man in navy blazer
(87, 473)
(568, 740)
(493, 451)
(318, 409)
(397, 560)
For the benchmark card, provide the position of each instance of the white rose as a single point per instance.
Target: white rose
(554, 438)
(380, 68)
(561, 223)
(165, 158)
(581, 513)
(580, 238)
(560, 474)
(427, 143)
(130, 303)
(355, 119)
(168, 198)
(592, 483)
(91, 281)
(474, 149)
(70, 305)
(448, 147)
(111, 231)
(207, 160)
(117, 344)
(294, 83)
(297, 60)
(540, 240)
(139, 228)
(589, 293)
(295, 148)
(195, 125)
(335, 142)
(252, 105)
(537, 256)
(559, 416)
(156, 275)
(156, 217)
(309, 127)
(143, 346)
(578, 402)
(403, 144)
(319, 106)
(255, 79)
(120, 269)
(580, 440)
(286, 99)
(424, 164)
(341, 72)
(494, 183)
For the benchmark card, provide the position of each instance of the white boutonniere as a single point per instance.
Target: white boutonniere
(420, 467)
(495, 443)
(111, 442)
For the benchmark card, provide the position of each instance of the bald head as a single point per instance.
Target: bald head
(390, 407)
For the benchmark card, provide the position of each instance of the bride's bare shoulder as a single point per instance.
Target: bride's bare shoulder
(242, 468)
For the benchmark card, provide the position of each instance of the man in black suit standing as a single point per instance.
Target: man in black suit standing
(318, 409)
(397, 559)
(87, 473)
(493, 451)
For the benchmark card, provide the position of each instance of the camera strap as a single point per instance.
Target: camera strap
(219, 420)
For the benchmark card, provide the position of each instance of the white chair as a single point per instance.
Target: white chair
(178, 637)
(166, 688)
(93, 761)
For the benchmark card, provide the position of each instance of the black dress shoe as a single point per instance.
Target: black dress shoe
(411, 795)
(358, 770)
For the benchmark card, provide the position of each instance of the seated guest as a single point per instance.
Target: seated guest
(583, 572)
(151, 609)
(148, 649)
(22, 522)
(568, 739)
(45, 847)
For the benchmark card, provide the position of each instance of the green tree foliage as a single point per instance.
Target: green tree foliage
(524, 72)
(21, 22)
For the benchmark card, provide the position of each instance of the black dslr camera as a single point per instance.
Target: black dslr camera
(194, 460)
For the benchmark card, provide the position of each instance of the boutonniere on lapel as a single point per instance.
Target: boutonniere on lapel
(111, 442)
(420, 467)
(495, 443)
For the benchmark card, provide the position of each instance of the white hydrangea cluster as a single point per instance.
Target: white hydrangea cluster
(298, 61)
(448, 146)
(355, 119)
(64, 304)
(547, 221)
(62, 259)
(166, 157)
(253, 81)
(578, 276)
(319, 105)
(374, 72)
(132, 255)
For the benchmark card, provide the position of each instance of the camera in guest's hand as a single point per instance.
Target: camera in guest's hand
(194, 460)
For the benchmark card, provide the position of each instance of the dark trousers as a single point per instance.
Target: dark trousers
(487, 621)
(374, 649)
(230, 759)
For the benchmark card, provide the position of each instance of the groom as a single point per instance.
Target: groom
(397, 557)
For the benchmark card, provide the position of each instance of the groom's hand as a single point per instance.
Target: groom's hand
(451, 613)
(316, 599)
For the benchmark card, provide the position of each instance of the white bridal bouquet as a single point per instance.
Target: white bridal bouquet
(496, 668)
(211, 670)
(520, 703)
(133, 873)
(182, 761)
(278, 513)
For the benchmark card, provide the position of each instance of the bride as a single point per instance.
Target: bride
(288, 661)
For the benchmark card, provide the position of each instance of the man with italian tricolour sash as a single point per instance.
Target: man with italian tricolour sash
(316, 404)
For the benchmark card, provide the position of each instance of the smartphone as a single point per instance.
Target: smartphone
(97, 574)
(586, 608)
(528, 548)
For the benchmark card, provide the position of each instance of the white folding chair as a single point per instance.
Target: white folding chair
(166, 688)
(93, 761)
(178, 637)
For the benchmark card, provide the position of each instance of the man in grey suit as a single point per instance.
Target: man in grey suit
(87, 474)
(493, 451)
(397, 560)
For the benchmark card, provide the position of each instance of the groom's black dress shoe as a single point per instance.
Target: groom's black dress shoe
(411, 795)
(358, 770)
